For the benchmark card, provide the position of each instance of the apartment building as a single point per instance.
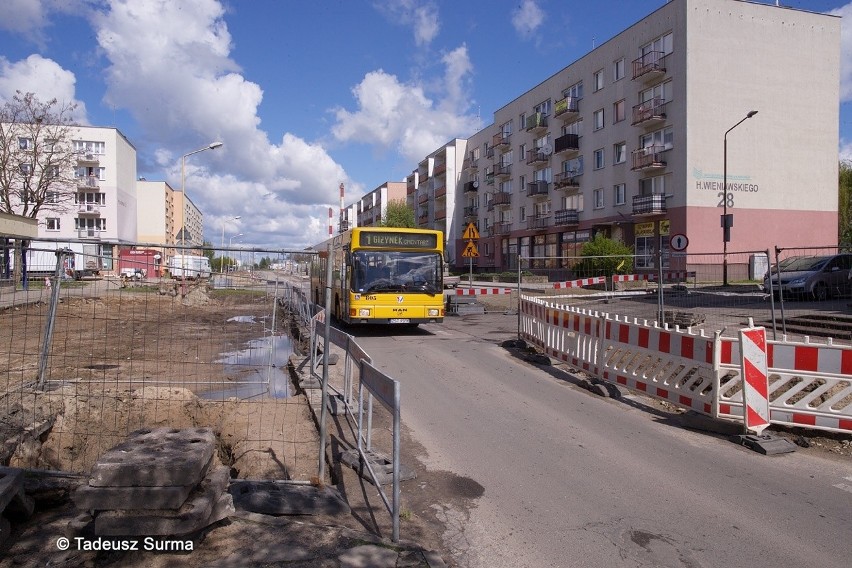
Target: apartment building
(102, 211)
(630, 141)
(373, 206)
(431, 190)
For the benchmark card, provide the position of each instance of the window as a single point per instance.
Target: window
(619, 153)
(619, 111)
(506, 129)
(25, 143)
(507, 158)
(51, 197)
(523, 213)
(598, 118)
(544, 174)
(598, 197)
(52, 223)
(26, 169)
(49, 145)
(661, 139)
(522, 150)
(88, 147)
(506, 186)
(522, 120)
(522, 181)
(619, 194)
(474, 154)
(662, 45)
(543, 108)
(575, 166)
(573, 202)
(653, 186)
(598, 80)
(618, 70)
(658, 93)
(598, 158)
(52, 171)
(575, 91)
(574, 128)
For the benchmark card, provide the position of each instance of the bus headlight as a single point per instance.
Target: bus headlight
(434, 312)
(364, 312)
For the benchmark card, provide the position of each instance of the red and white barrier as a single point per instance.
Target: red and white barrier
(482, 291)
(580, 283)
(667, 276)
(753, 362)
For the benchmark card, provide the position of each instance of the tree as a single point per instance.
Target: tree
(844, 204)
(398, 214)
(604, 257)
(38, 162)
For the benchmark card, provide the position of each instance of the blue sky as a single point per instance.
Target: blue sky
(305, 95)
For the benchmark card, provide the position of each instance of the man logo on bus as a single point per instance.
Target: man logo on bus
(399, 299)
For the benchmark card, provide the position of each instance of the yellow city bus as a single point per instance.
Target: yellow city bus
(382, 275)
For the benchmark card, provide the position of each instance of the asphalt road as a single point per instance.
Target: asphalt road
(571, 479)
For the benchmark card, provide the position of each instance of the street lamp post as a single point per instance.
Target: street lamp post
(727, 220)
(211, 146)
(222, 263)
(231, 238)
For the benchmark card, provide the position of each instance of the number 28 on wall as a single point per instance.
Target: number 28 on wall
(721, 196)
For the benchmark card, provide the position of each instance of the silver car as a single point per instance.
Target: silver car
(816, 277)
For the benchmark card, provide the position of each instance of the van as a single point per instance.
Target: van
(189, 266)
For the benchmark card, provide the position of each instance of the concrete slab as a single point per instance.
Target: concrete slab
(88, 498)
(207, 504)
(12, 494)
(158, 457)
(282, 498)
(381, 464)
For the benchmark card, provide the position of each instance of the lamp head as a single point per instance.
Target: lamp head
(751, 114)
(214, 145)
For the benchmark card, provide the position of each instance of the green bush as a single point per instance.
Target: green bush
(604, 257)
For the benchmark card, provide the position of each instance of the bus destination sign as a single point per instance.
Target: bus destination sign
(398, 240)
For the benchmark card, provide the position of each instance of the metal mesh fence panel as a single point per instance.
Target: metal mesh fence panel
(134, 350)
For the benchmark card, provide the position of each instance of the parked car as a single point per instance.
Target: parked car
(816, 277)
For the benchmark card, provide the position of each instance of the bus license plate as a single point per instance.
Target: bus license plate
(400, 320)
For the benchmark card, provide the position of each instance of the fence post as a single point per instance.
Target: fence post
(51, 318)
(326, 347)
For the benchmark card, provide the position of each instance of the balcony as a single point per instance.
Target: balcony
(537, 156)
(649, 158)
(538, 188)
(471, 187)
(649, 204)
(89, 208)
(501, 139)
(88, 233)
(471, 211)
(489, 153)
(567, 144)
(503, 171)
(501, 199)
(489, 177)
(423, 197)
(440, 214)
(88, 158)
(566, 217)
(650, 113)
(471, 164)
(87, 182)
(439, 169)
(440, 192)
(649, 66)
(566, 180)
(411, 187)
(567, 109)
(538, 222)
(536, 122)
(502, 228)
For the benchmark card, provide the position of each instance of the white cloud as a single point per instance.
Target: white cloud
(44, 77)
(395, 114)
(421, 16)
(170, 66)
(845, 51)
(25, 17)
(527, 18)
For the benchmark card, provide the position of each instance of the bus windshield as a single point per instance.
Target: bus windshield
(391, 271)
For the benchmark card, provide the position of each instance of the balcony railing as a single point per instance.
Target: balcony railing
(536, 121)
(440, 214)
(440, 191)
(649, 65)
(501, 198)
(471, 187)
(650, 112)
(567, 108)
(87, 182)
(500, 139)
(503, 171)
(90, 208)
(423, 197)
(566, 217)
(502, 228)
(88, 158)
(650, 157)
(537, 155)
(539, 187)
(439, 169)
(567, 143)
(540, 221)
(471, 211)
(649, 204)
(89, 233)
(566, 180)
